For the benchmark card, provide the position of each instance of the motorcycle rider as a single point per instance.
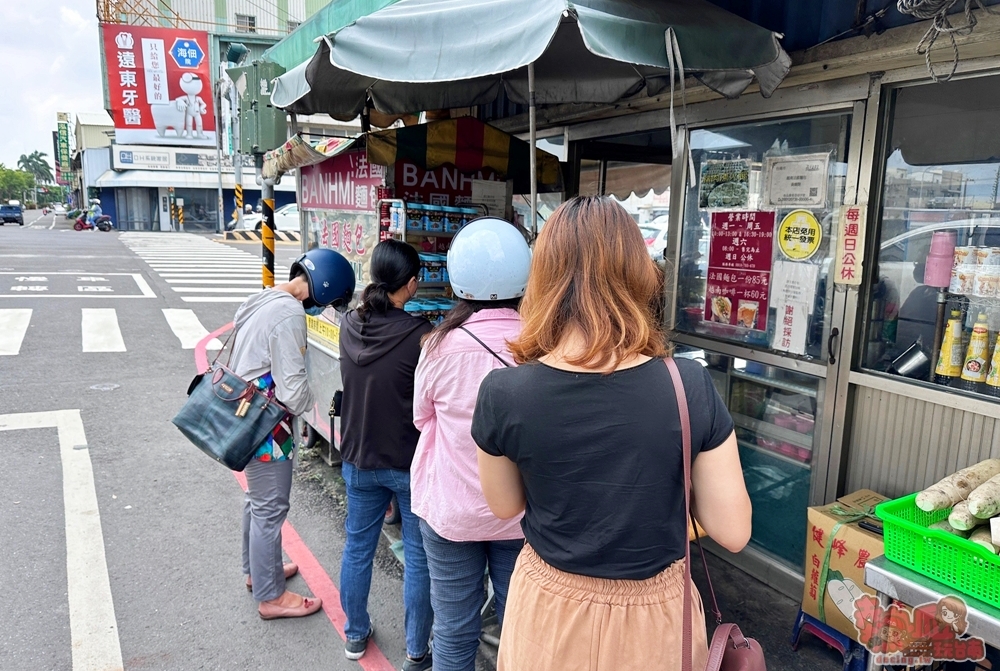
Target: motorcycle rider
(94, 213)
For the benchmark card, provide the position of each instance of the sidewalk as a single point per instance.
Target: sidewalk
(763, 614)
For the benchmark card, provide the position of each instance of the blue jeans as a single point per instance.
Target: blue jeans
(368, 496)
(457, 593)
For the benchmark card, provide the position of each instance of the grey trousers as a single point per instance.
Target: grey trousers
(269, 485)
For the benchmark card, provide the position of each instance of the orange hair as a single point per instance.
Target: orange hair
(591, 274)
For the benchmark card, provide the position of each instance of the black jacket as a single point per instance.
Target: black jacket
(378, 357)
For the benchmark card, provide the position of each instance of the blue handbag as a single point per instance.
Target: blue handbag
(227, 417)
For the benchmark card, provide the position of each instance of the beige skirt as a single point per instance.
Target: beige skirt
(556, 620)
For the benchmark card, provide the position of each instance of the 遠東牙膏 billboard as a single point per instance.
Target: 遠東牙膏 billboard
(159, 85)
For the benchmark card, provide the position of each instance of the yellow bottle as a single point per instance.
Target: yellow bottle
(975, 367)
(950, 360)
(993, 379)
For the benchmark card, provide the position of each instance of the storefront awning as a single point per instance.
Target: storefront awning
(112, 179)
(466, 143)
(417, 55)
(469, 145)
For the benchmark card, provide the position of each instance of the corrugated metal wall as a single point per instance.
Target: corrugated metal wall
(899, 445)
(198, 14)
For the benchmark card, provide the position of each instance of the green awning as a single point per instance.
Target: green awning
(300, 45)
(415, 55)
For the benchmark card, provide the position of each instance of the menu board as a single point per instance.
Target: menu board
(739, 268)
(724, 183)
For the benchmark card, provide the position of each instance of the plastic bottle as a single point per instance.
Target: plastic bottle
(974, 369)
(950, 360)
(993, 379)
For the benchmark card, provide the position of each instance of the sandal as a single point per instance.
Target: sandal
(291, 568)
(272, 612)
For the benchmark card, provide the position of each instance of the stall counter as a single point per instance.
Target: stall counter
(893, 581)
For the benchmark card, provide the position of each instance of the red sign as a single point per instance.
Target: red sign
(444, 185)
(739, 268)
(345, 182)
(159, 85)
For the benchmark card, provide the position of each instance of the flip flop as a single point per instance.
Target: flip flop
(291, 568)
(308, 607)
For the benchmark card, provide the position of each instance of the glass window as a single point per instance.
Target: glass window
(775, 414)
(201, 208)
(758, 234)
(934, 304)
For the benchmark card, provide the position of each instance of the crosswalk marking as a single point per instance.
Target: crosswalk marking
(193, 264)
(13, 326)
(246, 291)
(188, 328)
(100, 330)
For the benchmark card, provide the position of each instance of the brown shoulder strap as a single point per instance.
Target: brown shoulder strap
(685, 419)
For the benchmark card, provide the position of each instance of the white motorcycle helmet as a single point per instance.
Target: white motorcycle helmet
(489, 261)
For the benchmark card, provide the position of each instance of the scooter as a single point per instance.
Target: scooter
(103, 223)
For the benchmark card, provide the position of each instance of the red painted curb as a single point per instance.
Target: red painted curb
(322, 586)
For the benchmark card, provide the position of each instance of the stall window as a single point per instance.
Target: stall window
(934, 304)
(758, 234)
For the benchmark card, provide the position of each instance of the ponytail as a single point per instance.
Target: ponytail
(393, 265)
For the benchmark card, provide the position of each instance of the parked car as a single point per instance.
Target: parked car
(655, 235)
(286, 218)
(11, 212)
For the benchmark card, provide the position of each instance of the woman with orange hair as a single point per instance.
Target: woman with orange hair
(585, 439)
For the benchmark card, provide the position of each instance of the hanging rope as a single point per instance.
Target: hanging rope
(676, 64)
(938, 11)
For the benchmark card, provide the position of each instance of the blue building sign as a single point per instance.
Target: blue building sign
(187, 53)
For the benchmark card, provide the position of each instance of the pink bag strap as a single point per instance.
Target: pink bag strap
(685, 418)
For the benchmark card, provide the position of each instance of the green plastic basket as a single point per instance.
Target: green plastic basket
(949, 559)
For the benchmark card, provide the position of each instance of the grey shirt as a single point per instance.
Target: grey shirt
(271, 336)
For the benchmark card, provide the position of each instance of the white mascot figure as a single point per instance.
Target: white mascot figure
(195, 107)
(182, 115)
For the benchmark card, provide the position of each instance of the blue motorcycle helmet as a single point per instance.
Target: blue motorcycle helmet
(330, 278)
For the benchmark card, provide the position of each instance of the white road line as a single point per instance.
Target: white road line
(249, 281)
(38, 218)
(100, 330)
(143, 285)
(196, 274)
(212, 299)
(246, 291)
(92, 622)
(187, 328)
(13, 326)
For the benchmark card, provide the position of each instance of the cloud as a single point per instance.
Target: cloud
(49, 66)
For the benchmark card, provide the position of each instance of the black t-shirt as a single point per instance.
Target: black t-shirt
(601, 458)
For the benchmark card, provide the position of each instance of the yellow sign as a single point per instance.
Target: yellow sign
(799, 235)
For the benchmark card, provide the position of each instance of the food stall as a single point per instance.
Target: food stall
(420, 184)
(811, 250)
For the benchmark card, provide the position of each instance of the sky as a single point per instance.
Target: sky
(50, 60)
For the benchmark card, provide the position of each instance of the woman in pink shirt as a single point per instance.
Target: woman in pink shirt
(488, 267)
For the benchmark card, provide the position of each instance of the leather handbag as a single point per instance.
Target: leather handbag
(227, 417)
(729, 650)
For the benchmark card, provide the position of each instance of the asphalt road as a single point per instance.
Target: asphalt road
(142, 558)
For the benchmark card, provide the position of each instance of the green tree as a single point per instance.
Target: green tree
(35, 164)
(14, 184)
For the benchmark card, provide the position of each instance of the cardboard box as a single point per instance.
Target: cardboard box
(845, 551)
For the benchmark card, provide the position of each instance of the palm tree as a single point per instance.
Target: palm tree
(36, 165)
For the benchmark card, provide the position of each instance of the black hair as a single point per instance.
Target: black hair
(394, 263)
(459, 314)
